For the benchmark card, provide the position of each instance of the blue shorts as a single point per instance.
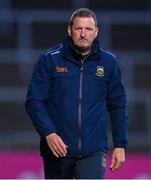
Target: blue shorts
(90, 167)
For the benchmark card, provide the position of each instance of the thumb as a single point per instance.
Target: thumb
(112, 163)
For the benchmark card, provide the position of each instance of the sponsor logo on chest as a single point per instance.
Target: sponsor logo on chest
(61, 69)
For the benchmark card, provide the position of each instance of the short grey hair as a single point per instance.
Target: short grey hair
(83, 12)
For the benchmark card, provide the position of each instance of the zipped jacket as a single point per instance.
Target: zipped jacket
(77, 97)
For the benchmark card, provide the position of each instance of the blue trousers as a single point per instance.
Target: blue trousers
(90, 167)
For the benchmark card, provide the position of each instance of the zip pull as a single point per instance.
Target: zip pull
(82, 60)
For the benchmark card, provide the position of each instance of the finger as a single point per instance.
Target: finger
(57, 144)
(114, 168)
(112, 163)
(117, 165)
(54, 152)
(63, 146)
(57, 149)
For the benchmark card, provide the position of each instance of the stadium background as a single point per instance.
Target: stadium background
(29, 27)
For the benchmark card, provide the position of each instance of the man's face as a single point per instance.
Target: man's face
(83, 32)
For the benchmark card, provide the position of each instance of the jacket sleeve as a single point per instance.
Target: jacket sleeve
(37, 96)
(117, 106)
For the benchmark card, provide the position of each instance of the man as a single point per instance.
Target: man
(75, 90)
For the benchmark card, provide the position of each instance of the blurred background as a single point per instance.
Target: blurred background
(29, 27)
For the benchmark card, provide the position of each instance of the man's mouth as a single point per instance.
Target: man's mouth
(84, 40)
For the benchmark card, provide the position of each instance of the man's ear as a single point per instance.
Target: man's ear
(69, 30)
(96, 32)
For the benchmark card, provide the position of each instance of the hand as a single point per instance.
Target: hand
(118, 158)
(56, 145)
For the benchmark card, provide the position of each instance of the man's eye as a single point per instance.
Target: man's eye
(89, 29)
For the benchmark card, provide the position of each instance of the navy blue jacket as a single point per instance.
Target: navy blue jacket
(77, 100)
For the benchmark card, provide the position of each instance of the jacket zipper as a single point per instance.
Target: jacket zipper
(80, 105)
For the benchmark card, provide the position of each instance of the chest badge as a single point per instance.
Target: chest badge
(61, 69)
(100, 71)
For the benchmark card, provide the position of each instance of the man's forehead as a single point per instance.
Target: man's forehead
(89, 21)
(78, 18)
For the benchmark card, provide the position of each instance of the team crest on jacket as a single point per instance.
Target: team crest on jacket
(100, 71)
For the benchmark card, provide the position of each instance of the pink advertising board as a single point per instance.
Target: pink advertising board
(23, 165)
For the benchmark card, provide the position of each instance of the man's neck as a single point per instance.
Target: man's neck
(86, 53)
(82, 53)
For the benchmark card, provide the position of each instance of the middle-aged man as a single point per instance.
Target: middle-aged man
(75, 91)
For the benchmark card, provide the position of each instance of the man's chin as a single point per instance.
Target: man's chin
(82, 48)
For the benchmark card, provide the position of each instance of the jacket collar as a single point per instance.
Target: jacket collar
(71, 54)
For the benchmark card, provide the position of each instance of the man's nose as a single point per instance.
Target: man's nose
(83, 33)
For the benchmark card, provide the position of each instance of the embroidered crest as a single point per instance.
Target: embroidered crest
(100, 71)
